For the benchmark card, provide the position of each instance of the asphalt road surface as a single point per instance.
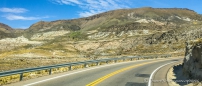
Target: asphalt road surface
(133, 73)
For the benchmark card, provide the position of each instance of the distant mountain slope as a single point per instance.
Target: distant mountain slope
(119, 20)
(119, 17)
(5, 31)
(5, 28)
(8, 32)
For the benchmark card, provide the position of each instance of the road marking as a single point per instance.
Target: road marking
(84, 71)
(89, 69)
(150, 78)
(116, 72)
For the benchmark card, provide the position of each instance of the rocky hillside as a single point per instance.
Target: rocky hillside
(124, 19)
(193, 61)
(125, 30)
(114, 33)
(11, 38)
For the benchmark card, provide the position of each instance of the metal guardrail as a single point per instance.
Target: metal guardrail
(70, 65)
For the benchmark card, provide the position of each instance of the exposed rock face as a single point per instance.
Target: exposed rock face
(48, 35)
(193, 61)
(11, 43)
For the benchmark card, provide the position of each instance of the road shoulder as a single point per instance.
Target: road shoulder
(160, 77)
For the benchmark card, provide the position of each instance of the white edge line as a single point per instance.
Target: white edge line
(150, 78)
(81, 71)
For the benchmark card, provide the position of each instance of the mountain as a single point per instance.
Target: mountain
(121, 20)
(145, 26)
(123, 32)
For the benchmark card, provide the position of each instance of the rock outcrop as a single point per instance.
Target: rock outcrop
(192, 65)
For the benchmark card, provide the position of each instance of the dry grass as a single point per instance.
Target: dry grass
(23, 51)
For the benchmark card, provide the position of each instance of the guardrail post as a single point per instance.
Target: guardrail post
(115, 61)
(86, 65)
(131, 59)
(50, 71)
(97, 63)
(107, 62)
(21, 76)
(70, 68)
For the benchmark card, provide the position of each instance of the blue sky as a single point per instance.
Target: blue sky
(23, 13)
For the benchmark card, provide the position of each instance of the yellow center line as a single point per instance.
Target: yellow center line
(116, 72)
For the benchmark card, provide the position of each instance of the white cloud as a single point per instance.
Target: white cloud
(73, 1)
(12, 16)
(18, 17)
(92, 7)
(67, 2)
(13, 10)
(88, 13)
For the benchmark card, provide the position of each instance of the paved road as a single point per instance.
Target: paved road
(119, 74)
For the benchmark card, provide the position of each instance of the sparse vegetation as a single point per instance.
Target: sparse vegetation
(115, 33)
(76, 35)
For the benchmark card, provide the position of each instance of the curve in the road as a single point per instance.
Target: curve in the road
(118, 74)
(150, 78)
(121, 70)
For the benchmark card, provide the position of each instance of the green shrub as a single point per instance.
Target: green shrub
(76, 35)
